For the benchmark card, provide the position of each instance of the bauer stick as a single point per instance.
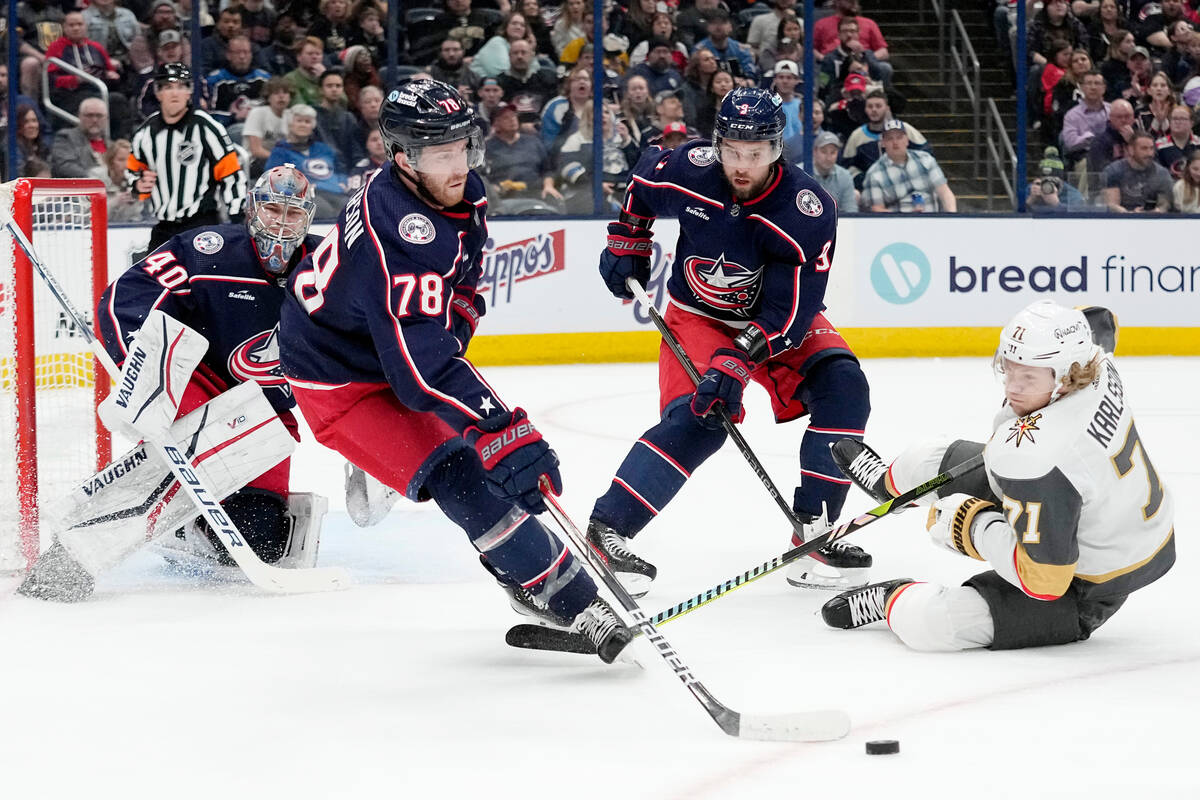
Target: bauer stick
(539, 637)
(803, 726)
(722, 412)
(264, 576)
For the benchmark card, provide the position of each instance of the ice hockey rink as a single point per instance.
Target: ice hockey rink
(162, 686)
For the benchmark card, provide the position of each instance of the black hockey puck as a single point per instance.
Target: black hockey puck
(883, 747)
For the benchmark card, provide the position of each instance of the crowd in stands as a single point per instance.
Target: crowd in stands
(303, 81)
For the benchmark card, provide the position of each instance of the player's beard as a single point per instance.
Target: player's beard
(446, 190)
(752, 189)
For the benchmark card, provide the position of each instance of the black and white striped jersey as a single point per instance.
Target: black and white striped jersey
(196, 164)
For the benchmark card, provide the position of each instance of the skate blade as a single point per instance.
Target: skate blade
(637, 585)
(842, 581)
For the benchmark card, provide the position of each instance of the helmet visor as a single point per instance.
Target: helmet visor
(743, 154)
(451, 158)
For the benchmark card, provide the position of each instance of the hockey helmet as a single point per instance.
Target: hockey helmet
(749, 114)
(172, 72)
(421, 113)
(1045, 334)
(280, 209)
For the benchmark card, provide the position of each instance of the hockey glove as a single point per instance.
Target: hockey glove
(950, 520)
(627, 256)
(464, 319)
(514, 458)
(145, 400)
(723, 382)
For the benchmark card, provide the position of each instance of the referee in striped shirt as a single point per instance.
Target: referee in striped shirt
(184, 161)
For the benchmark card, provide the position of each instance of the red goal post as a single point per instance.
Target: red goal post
(50, 383)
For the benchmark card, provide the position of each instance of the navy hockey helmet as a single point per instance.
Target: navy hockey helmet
(420, 113)
(750, 115)
(279, 212)
(173, 71)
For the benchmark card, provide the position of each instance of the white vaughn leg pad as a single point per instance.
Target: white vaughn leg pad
(368, 500)
(307, 512)
(930, 617)
(231, 440)
(160, 362)
(917, 464)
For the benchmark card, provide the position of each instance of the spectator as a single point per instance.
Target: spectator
(692, 23)
(1110, 145)
(638, 22)
(168, 49)
(40, 22)
(370, 101)
(1055, 21)
(490, 97)
(833, 176)
(789, 41)
(66, 89)
(279, 57)
(367, 31)
(1068, 91)
(78, 152)
(1115, 68)
(1178, 62)
(238, 87)
(764, 29)
(470, 26)
(332, 26)
(123, 205)
(661, 27)
(1191, 84)
(1052, 74)
(258, 20)
(1154, 109)
(1050, 194)
(527, 85)
(536, 20)
(214, 46)
(793, 148)
(377, 156)
(314, 158)
(1154, 30)
(851, 56)
(1177, 146)
(119, 31)
(358, 72)
(906, 181)
(570, 25)
(1104, 27)
(561, 115)
(1186, 192)
(675, 135)
(637, 107)
(659, 68)
(1086, 119)
(849, 110)
(264, 124)
(34, 167)
(31, 140)
(1141, 70)
(336, 126)
(309, 66)
(698, 107)
(22, 100)
(733, 56)
(862, 146)
(517, 164)
(1137, 183)
(668, 108)
(787, 75)
(492, 58)
(164, 16)
(825, 35)
(574, 162)
(450, 66)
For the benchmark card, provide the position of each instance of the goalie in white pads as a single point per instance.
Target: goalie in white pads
(1069, 511)
(194, 325)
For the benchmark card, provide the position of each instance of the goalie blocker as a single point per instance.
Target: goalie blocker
(230, 440)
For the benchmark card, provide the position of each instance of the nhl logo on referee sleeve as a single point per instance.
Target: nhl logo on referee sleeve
(417, 228)
(208, 242)
(809, 204)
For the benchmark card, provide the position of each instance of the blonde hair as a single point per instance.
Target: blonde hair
(1080, 375)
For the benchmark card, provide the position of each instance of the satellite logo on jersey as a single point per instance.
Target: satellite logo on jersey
(208, 242)
(809, 204)
(187, 153)
(1023, 428)
(506, 265)
(417, 229)
(702, 156)
(257, 359)
(723, 284)
(900, 273)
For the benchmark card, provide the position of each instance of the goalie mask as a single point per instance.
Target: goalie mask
(279, 211)
(1045, 334)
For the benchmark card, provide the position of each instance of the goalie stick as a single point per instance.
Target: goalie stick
(540, 637)
(804, 726)
(264, 576)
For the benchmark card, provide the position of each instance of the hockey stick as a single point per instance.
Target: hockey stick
(805, 726)
(539, 637)
(722, 412)
(264, 576)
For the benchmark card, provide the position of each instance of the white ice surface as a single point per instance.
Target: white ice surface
(167, 687)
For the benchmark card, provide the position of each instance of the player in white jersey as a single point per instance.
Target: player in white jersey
(1068, 512)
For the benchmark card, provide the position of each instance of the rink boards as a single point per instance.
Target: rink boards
(938, 286)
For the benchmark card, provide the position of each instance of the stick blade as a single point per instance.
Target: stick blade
(804, 726)
(300, 581)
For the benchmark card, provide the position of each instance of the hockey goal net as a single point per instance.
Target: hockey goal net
(50, 437)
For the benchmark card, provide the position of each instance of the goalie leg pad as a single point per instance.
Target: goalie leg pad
(936, 618)
(262, 519)
(232, 440)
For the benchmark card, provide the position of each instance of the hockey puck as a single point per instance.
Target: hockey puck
(883, 747)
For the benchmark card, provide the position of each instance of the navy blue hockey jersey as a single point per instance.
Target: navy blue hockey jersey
(373, 303)
(763, 262)
(210, 279)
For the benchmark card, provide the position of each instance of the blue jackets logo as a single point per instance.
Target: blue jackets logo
(723, 284)
(900, 273)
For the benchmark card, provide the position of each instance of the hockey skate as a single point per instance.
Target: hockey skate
(860, 607)
(604, 629)
(57, 576)
(367, 500)
(635, 574)
(838, 566)
(861, 464)
(525, 603)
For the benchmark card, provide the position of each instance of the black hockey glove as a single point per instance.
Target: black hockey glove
(627, 256)
(515, 458)
(723, 382)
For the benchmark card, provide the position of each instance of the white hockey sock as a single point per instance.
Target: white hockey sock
(931, 617)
